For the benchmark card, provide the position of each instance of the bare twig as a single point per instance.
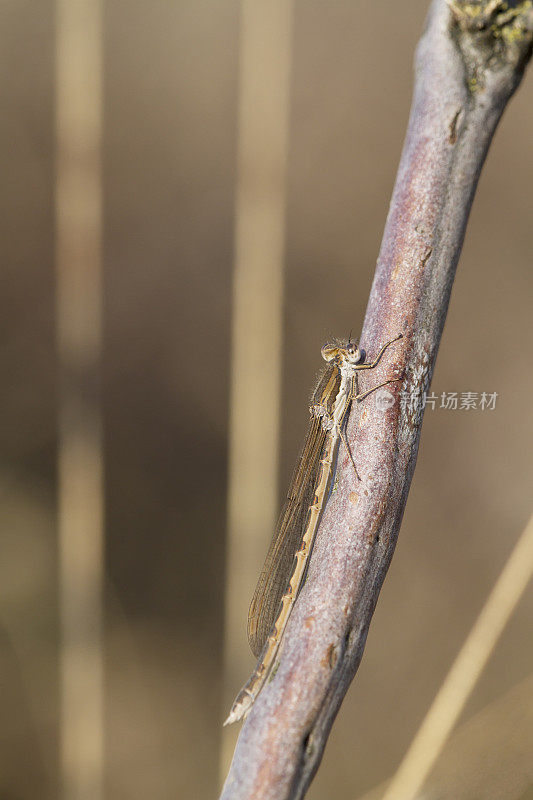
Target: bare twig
(469, 61)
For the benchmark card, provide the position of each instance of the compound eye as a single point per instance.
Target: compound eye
(329, 351)
(353, 352)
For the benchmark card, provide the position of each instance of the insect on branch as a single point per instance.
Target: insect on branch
(469, 62)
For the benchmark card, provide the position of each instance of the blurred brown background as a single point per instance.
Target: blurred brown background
(169, 187)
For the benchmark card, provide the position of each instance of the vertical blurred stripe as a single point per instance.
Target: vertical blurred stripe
(79, 341)
(263, 123)
(465, 671)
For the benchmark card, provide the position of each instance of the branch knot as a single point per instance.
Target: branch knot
(492, 35)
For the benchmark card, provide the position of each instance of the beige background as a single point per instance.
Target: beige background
(169, 181)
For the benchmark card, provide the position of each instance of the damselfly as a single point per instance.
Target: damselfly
(285, 567)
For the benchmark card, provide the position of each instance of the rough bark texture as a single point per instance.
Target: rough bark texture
(469, 61)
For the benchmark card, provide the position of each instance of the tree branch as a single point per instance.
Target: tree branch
(469, 62)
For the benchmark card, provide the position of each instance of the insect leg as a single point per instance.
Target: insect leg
(362, 396)
(378, 357)
(347, 446)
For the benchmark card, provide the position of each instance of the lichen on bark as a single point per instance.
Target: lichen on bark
(492, 35)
